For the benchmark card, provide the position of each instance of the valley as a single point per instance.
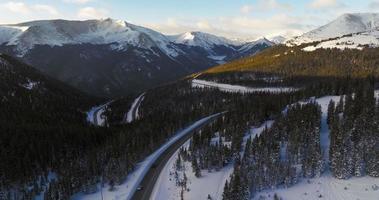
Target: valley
(103, 109)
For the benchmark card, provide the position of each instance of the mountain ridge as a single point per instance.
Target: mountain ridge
(114, 58)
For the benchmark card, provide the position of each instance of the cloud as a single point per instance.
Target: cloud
(245, 27)
(17, 7)
(265, 5)
(77, 1)
(320, 4)
(246, 9)
(374, 5)
(203, 25)
(92, 13)
(25, 9)
(45, 8)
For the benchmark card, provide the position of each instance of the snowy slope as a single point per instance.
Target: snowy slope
(277, 39)
(354, 41)
(343, 25)
(349, 31)
(250, 45)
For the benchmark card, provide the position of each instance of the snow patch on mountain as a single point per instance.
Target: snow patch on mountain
(9, 33)
(205, 40)
(250, 45)
(277, 39)
(354, 41)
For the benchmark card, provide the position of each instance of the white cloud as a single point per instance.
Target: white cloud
(203, 25)
(77, 1)
(17, 7)
(246, 9)
(20, 8)
(373, 5)
(265, 5)
(45, 8)
(320, 4)
(92, 13)
(245, 27)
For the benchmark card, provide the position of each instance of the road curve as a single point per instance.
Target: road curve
(132, 114)
(148, 182)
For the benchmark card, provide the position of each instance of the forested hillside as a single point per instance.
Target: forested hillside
(293, 61)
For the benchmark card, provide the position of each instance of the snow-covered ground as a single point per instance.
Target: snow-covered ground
(324, 132)
(210, 183)
(197, 83)
(95, 115)
(330, 188)
(327, 188)
(199, 188)
(128, 188)
(133, 113)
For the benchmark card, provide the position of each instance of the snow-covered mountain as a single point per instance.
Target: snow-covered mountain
(204, 40)
(347, 31)
(259, 42)
(115, 55)
(278, 39)
(60, 32)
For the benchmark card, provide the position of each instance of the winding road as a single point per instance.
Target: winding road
(133, 112)
(147, 183)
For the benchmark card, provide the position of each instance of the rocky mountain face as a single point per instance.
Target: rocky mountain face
(112, 57)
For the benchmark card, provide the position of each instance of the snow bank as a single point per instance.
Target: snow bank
(197, 83)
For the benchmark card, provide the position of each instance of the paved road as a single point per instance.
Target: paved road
(152, 175)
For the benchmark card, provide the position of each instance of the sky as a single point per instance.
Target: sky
(247, 19)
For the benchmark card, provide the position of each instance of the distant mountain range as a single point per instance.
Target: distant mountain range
(358, 32)
(114, 58)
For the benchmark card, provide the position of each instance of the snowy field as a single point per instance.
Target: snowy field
(199, 188)
(197, 83)
(210, 183)
(128, 188)
(327, 188)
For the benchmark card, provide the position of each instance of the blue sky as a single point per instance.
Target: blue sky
(230, 18)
